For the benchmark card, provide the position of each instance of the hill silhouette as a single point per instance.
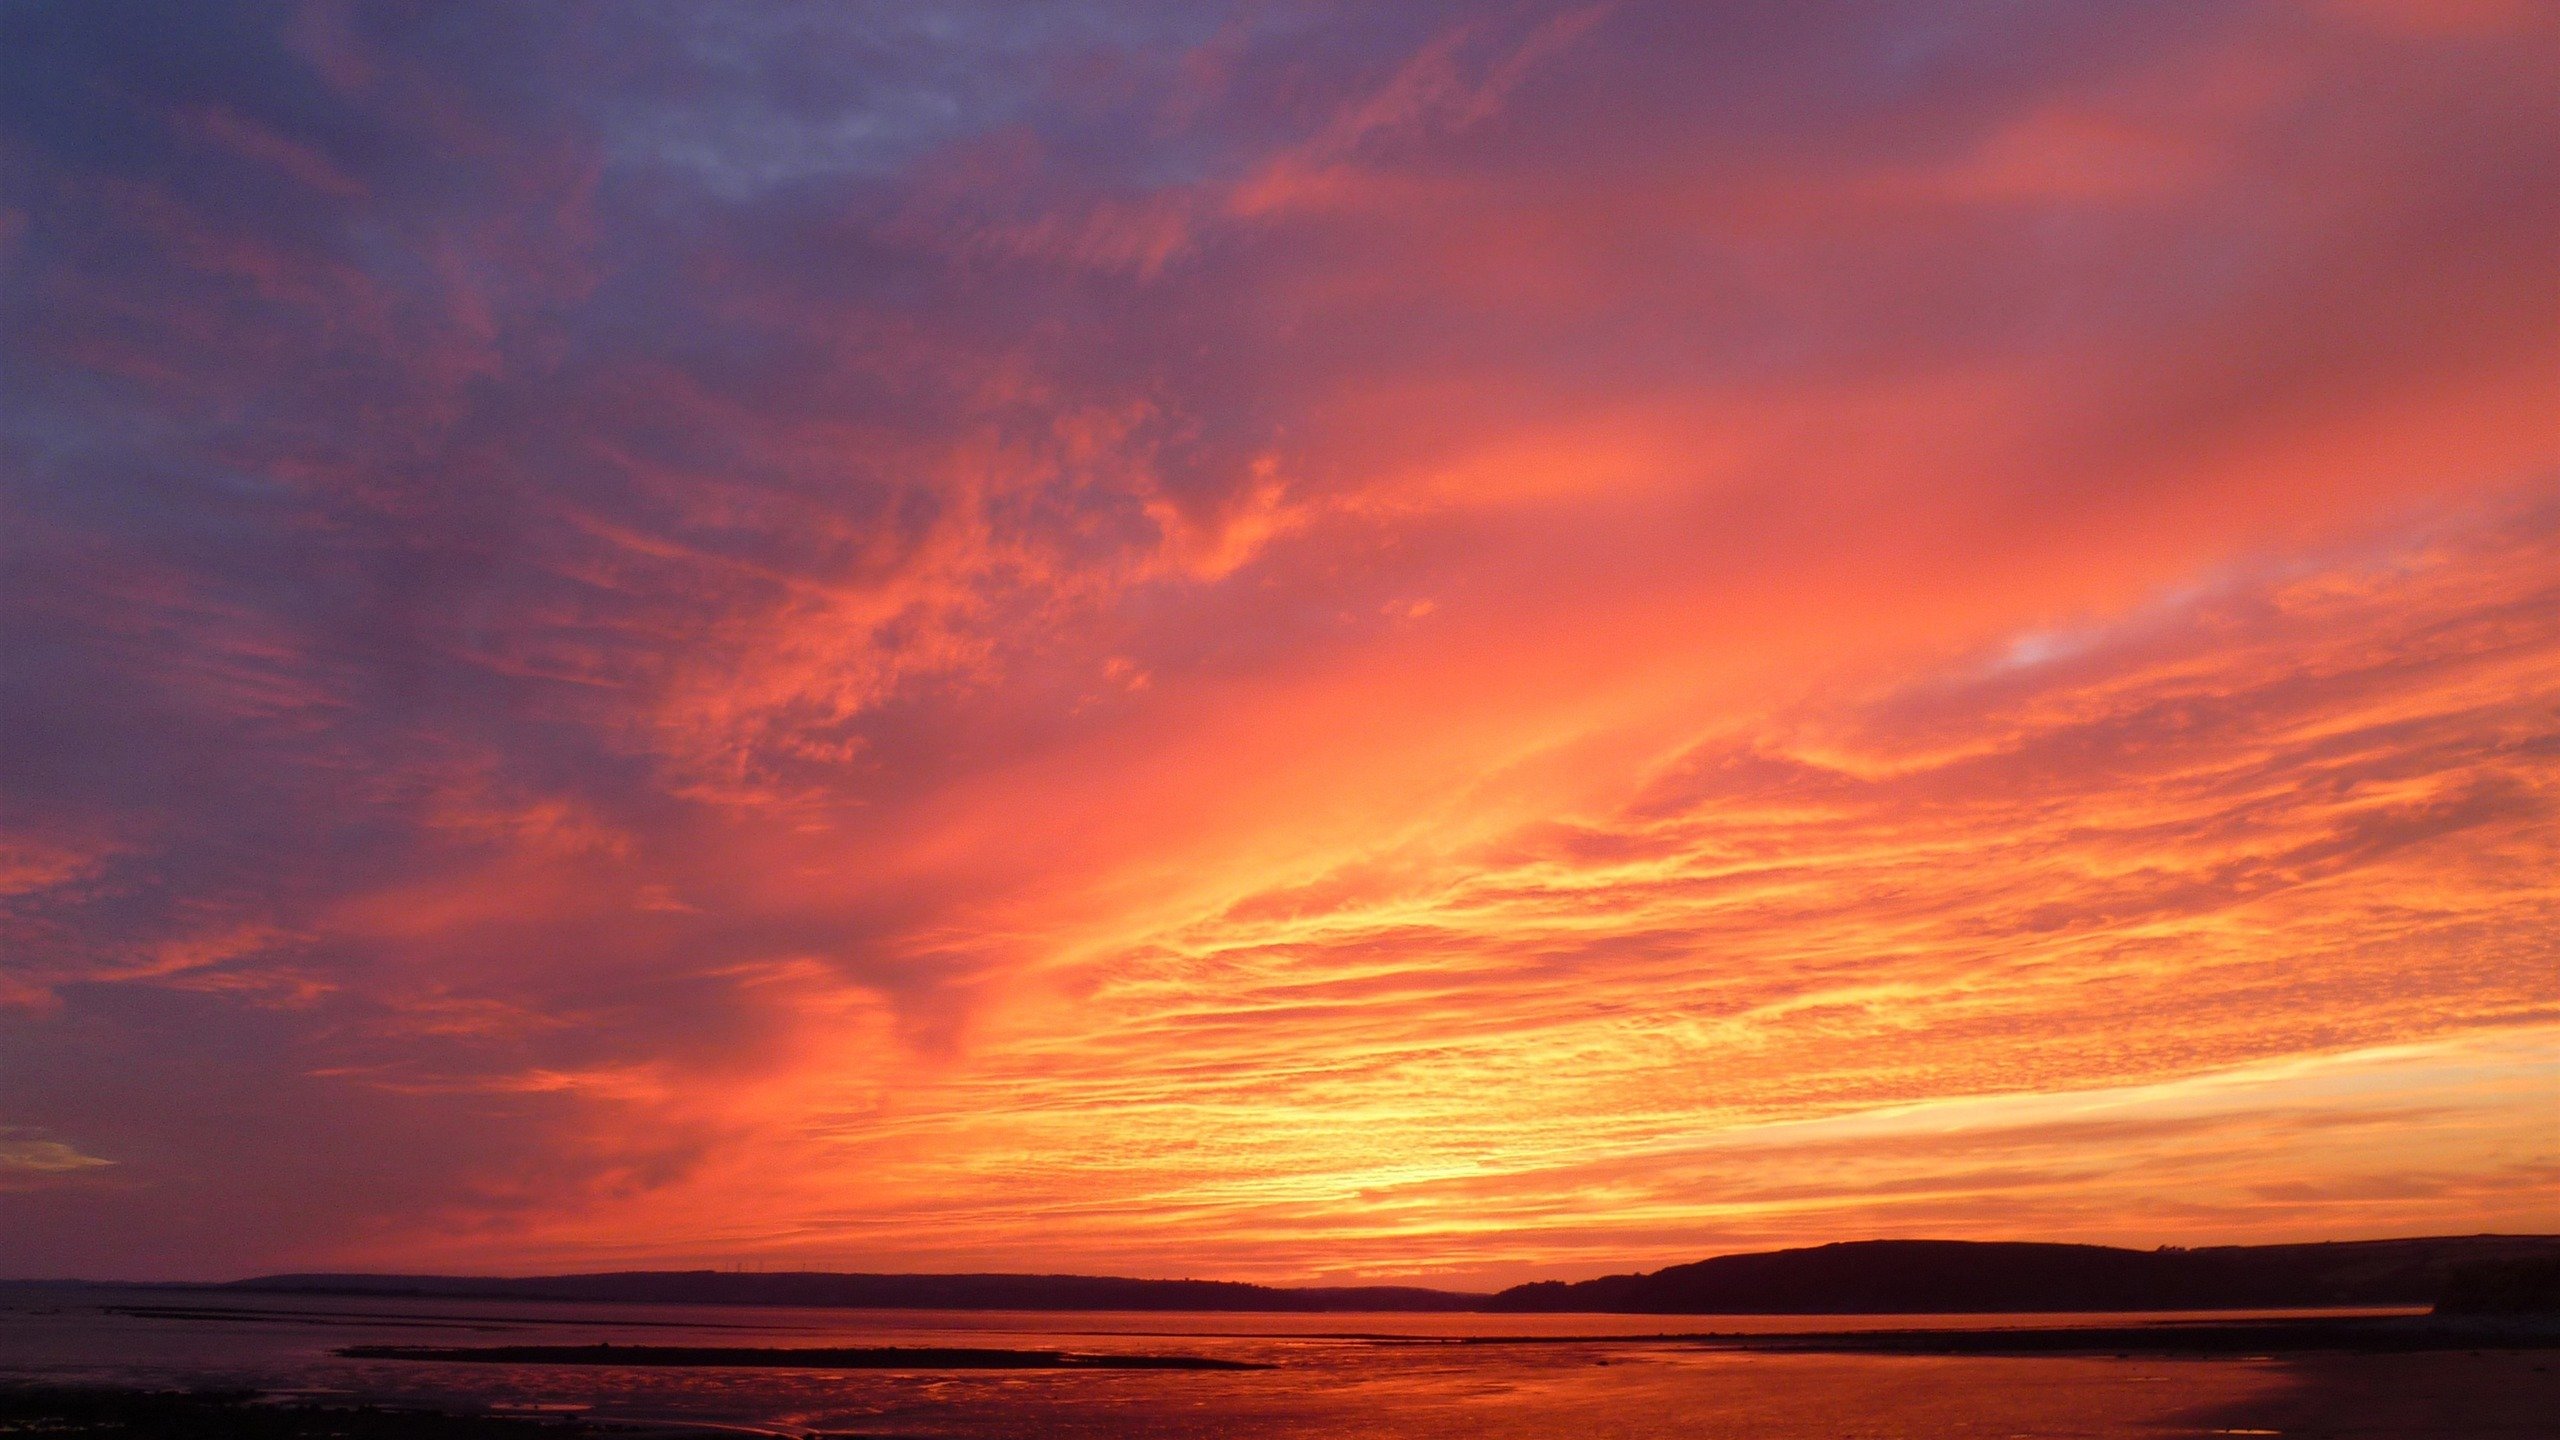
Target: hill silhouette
(1857, 1277)
(883, 1292)
(1956, 1276)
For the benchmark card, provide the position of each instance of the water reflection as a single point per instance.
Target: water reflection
(1391, 1376)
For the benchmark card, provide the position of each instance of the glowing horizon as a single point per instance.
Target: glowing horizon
(1274, 643)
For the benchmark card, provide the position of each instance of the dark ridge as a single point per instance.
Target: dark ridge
(881, 1292)
(1957, 1277)
(873, 1357)
(1911, 1277)
(2504, 1287)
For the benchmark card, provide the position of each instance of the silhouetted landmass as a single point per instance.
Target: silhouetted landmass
(1861, 1277)
(749, 1357)
(2504, 1287)
(883, 1292)
(1892, 1277)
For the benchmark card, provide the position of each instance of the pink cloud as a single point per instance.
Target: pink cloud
(1277, 644)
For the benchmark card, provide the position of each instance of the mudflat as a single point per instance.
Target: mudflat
(869, 1357)
(2440, 1395)
(2181, 1339)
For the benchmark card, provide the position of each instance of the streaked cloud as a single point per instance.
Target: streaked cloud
(1279, 641)
(26, 1161)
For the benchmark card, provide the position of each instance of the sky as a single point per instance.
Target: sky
(1284, 642)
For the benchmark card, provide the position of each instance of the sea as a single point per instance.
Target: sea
(1384, 1376)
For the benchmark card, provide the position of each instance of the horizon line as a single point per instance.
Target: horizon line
(1250, 1284)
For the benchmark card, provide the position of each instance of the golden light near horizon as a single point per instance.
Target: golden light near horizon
(1284, 643)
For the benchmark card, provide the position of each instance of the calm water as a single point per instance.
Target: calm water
(1352, 1375)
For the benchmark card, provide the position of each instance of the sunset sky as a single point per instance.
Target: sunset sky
(1272, 641)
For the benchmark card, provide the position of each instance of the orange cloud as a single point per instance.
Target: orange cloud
(1358, 644)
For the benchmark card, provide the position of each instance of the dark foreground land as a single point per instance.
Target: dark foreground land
(2449, 1395)
(99, 1414)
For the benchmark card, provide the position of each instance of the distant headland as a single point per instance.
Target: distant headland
(1856, 1277)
